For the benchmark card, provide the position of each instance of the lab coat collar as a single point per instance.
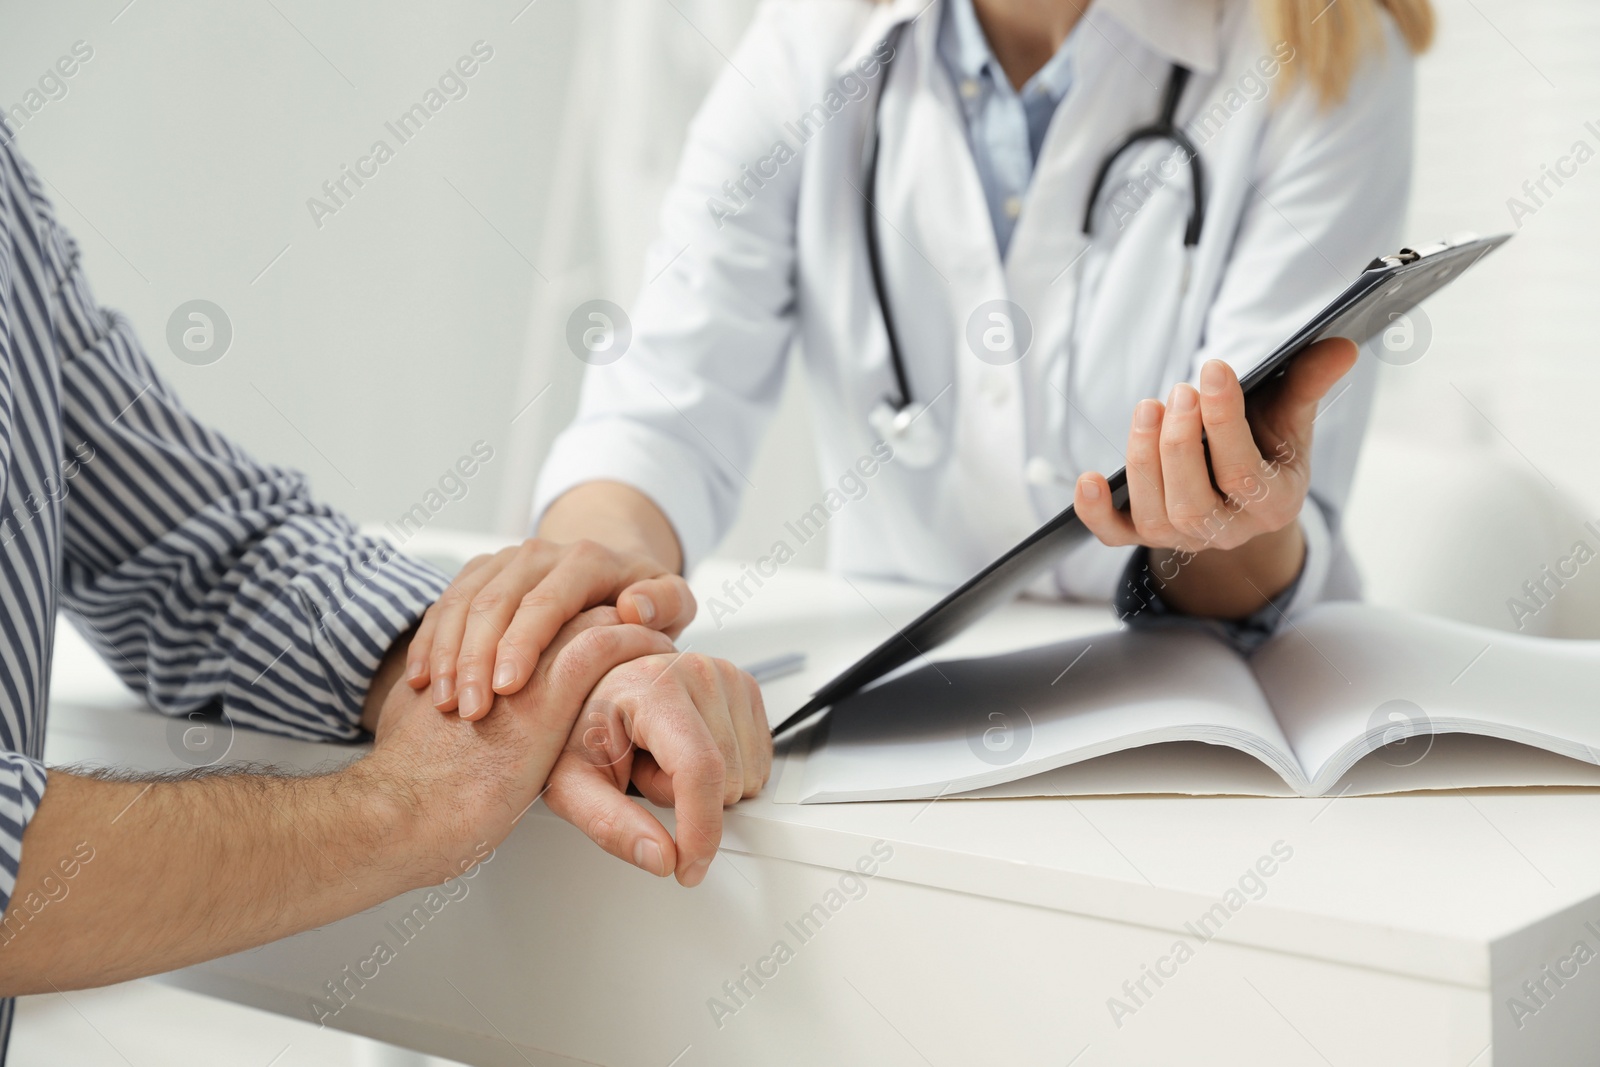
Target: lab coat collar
(1184, 31)
(885, 18)
(969, 48)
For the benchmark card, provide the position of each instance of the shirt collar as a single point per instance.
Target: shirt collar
(966, 51)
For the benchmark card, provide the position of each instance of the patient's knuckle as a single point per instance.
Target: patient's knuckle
(706, 762)
(603, 615)
(595, 643)
(604, 828)
(698, 670)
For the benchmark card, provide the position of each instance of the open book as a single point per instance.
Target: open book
(1351, 699)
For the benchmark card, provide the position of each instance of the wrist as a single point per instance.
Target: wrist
(391, 670)
(615, 515)
(1232, 583)
(382, 799)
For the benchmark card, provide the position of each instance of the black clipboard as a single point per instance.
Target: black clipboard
(1388, 287)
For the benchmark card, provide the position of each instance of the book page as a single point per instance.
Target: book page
(954, 725)
(1347, 678)
(1452, 762)
(1175, 768)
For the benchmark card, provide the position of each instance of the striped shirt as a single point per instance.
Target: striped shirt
(207, 580)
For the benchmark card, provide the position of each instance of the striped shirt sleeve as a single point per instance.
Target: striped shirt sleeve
(208, 580)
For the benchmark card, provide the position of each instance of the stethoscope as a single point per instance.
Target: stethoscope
(898, 419)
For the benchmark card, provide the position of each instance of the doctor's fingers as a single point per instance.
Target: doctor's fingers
(1091, 499)
(666, 604)
(1147, 478)
(468, 639)
(1194, 507)
(442, 625)
(1236, 464)
(583, 575)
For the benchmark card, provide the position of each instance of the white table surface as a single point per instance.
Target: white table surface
(1433, 907)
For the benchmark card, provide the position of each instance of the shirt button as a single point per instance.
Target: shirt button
(969, 88)
(1013, 206)
(995, 390)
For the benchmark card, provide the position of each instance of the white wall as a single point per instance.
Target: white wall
(1507, 89)
(380, 346)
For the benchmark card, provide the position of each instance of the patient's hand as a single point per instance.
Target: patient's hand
(690, 732)
(1224, 535)
(486, 633)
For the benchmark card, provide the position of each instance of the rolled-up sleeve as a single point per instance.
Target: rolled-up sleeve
(207, 580)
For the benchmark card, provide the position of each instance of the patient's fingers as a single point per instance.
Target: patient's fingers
(589, 798)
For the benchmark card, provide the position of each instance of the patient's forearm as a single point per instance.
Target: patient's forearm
(617, 516)
(121, 879)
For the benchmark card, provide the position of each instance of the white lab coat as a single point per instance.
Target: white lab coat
(1298, 199)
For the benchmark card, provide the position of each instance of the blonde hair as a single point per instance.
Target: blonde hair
(1330, 37)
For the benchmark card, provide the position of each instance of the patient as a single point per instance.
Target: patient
(212, 582)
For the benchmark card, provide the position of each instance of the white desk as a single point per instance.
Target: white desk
(995, 935)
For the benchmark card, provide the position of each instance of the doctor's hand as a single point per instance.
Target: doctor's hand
(1224, 535)
(486, 634)
(690, 732)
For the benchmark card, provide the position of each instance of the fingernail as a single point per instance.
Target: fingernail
(1213, 379)
(647, 856)
(505, 672)
(1091, 489)
(470, 702)
(415, 670)
(1184, 398)
(442, 688)
(1147, 416)
(696, 872)
(646, 609)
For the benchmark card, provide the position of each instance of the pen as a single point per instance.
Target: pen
(768, 670)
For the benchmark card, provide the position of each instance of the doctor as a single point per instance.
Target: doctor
(909, 198)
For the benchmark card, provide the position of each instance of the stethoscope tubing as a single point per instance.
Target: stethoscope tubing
(1165, 128)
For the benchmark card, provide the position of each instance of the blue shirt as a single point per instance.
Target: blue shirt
(1004, 127)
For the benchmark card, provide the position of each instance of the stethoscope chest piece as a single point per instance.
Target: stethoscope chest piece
(899, 420)
(915, 439)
